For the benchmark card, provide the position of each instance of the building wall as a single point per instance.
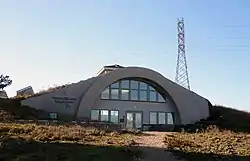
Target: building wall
(189, 107)
(28, 91)
(47, 103)
(123, 106)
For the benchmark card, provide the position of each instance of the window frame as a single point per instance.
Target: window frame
(121, 95)
(149, 96)
(118, 94)
(147, 88)
(109, 91)
(157, 117)
(172, 115)
(100, 115)
(109, 115)
(165, 116)
(97, 116)
(140, 98)
(54, 114)
(124, 80)
(118, 120)
(130, 84)
(137, 95)
(150, 112)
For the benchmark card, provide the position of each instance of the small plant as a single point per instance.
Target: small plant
(63, 142)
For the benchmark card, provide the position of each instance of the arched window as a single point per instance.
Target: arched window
(131, 90)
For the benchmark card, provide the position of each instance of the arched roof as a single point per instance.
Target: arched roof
(149, 76)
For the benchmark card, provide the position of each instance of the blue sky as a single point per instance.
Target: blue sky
(46, 42)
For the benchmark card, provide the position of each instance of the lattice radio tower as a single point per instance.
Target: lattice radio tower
(181, 68)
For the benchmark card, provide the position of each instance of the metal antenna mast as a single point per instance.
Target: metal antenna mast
(181, 69)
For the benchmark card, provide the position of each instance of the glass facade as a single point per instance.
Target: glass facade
(114, 94)
(143, 95)
(134, 95)
(170, 119)
(134, 84)
(95, 115)
(125, 94)
(152, 95)
(125, 84)
(53, 115)
(131, 90)
(153, 118)
(161, 118)
(114, 116)
(105, 94)
(105, 115)
(160, 98)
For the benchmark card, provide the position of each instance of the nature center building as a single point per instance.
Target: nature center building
(132, 96)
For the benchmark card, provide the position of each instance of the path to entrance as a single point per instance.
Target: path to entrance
(152, 147)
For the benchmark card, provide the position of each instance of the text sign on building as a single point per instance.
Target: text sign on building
(67, 101)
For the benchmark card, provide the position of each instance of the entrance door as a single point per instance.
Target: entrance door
(134, 120)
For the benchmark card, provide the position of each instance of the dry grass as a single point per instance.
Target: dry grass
(30, 140)
(41, 92)
(62, 133)
(210, 141)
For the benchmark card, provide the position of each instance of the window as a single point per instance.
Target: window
(131, 90)
(104, 115)
(105, 94)
(114, 116)
(114, 94)
(151, 88)
(125, 84)
(134, 84)
(160, 98)
(115, 85)
(153, 118)
(143, 95)
(170, 118)
(124, 94)
(152, 96)
(53, 115)
(95, 115)
(134, 94)
(162, 118)
(143, 86)
(157, 118)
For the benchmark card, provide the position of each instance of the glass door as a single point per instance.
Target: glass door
(129, 120)
(134, 120)
(138, 120)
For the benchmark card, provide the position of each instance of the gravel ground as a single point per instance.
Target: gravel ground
(152, 146)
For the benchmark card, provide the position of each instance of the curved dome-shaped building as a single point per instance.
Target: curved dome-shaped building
(132, 96)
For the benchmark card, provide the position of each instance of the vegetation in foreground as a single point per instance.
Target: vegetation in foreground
(224, 118)
(23, 142)
(210, 144)
(11, 109)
